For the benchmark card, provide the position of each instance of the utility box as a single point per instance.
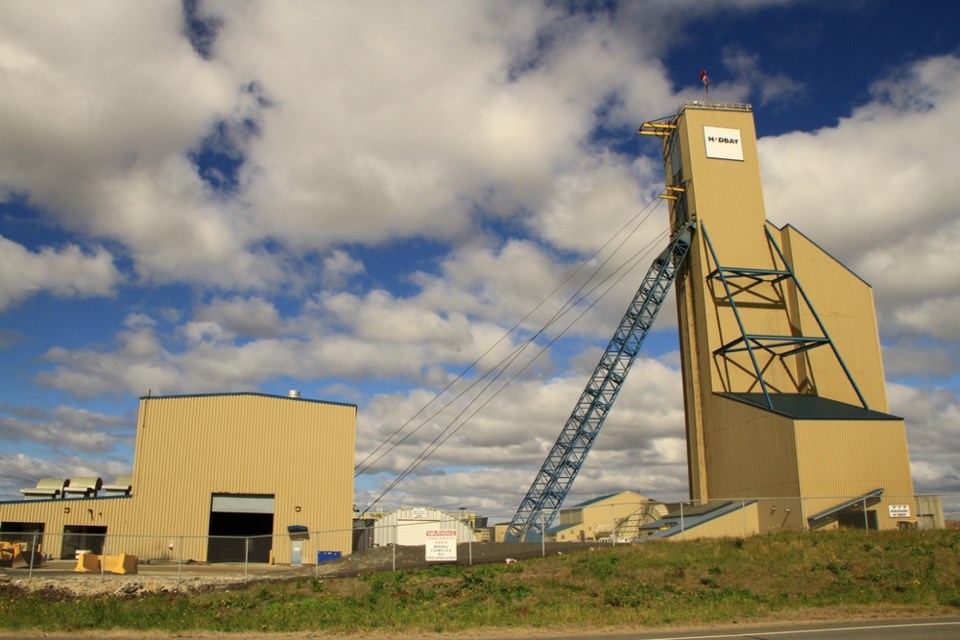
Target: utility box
(327, 556)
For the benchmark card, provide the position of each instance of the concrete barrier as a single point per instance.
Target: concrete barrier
(87, 563)
(121, 563)
(92, 563)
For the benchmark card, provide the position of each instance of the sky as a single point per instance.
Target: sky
(389, 204)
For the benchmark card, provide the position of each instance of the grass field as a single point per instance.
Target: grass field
(835, 574)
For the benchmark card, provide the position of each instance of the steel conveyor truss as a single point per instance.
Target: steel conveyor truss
(549, 489)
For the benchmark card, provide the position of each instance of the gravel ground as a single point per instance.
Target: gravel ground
(57, 580)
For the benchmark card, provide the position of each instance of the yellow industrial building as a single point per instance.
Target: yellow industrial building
(610, 518)
(782, 374)
(221, 477)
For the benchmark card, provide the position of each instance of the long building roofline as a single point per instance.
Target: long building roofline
(247, 393)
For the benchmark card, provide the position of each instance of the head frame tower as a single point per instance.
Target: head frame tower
(782, 373)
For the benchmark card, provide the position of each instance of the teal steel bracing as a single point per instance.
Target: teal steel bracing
(549, 489)
(778, 345)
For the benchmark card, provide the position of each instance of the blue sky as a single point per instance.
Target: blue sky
(359, 200)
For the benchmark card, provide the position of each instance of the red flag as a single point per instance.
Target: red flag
(705, 78)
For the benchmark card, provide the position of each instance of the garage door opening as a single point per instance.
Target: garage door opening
(28, 532)
(82, 538)
(241, 528)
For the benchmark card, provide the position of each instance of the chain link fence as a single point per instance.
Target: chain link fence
(28, 553)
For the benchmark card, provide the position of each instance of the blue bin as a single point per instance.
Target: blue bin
(327, 556)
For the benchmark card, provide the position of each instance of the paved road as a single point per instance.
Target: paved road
(917, 629)
(907, 629)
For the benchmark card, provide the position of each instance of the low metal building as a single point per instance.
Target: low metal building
(616, 517)
(219, 477)
(408, 526)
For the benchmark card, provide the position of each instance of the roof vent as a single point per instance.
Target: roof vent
(293, 393)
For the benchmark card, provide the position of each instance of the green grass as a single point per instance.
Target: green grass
(655, 584)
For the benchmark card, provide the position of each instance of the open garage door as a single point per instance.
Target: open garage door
(241, 526)
(82, 538)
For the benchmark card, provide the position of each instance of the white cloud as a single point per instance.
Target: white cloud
(862, 181)
(66, 428)
(912, 358)
(338, 268)
(768, 87)
(63, 271)
(935, 317)
(932, 418)
(471, 114)
(100, 140)
(244, 317)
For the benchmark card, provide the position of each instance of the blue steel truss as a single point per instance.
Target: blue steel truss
(549, 489)
(740, 280)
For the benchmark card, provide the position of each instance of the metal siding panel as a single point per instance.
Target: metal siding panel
(845, 459)
(750, 452)
(845, 304)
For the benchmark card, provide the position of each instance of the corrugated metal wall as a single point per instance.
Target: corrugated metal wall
(407, 526)
(190, 447)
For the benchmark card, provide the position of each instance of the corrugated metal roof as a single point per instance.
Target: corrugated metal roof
(695, 516)
(870, 497)
(804, 407)
(591, 501)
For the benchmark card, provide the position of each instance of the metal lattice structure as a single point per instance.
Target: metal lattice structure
(742, 281)
(549, 489)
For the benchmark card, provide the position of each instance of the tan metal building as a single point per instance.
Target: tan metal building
(783, 379)
(211, 472)
(610, 518)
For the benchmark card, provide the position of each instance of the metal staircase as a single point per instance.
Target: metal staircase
(551, 485)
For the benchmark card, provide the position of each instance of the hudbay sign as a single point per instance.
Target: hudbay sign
(723, 143)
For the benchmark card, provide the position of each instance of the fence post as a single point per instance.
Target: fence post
(613, 524)
(543, 537)
(246, 556)
(743, 512)
(33, 553)
(396, 539)
(681, 516)
(180, 560)
(103, 556)
(866, 523)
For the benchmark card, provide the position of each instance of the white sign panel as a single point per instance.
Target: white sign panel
(899, 510)
(442, 545)
(723, 143)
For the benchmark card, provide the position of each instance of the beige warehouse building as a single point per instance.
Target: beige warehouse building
(613, 518)
(210, 472)
(783, 379)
